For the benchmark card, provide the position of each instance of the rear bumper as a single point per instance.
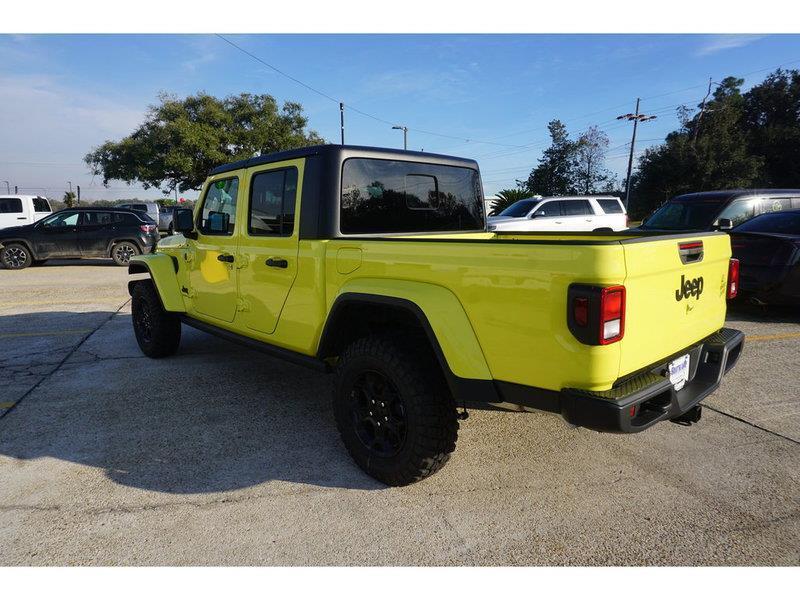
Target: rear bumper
(639, 402)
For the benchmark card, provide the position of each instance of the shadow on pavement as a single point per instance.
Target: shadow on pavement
(743, 311)
(215, 417)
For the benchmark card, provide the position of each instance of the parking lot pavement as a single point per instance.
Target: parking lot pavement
(220, 455)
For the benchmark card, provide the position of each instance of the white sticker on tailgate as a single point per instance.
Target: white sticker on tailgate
(679, 372)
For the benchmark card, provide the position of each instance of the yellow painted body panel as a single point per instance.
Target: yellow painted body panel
(498, 307)
(162, 272)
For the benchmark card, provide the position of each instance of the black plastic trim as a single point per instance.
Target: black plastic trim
(276, 351)
(470, 392)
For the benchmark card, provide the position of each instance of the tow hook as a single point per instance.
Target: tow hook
(690, 416)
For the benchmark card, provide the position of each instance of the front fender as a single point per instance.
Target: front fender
(444, 314)
(162, 270)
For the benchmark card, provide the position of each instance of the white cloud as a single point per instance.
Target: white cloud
(720, 43)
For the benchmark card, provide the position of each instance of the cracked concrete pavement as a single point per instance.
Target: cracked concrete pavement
(220, 455)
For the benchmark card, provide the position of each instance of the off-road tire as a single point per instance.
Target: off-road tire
(429, 410)
(123, 251)
(157, 331)
(16, 256)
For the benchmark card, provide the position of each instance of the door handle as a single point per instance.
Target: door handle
(21, 218)
(280, 263)
(228, 258)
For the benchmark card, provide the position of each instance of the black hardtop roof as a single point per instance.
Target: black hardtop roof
(725, 195)
(338, 149)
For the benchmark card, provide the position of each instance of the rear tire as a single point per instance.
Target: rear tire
(122, 252)
(157, 331)
(16, 256)
(395, 415)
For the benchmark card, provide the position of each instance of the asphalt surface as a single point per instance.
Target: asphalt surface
(221, 455)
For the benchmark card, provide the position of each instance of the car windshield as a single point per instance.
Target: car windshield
(684, 215)
(520, 208)
(779, 222)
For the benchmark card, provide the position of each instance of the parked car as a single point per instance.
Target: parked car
(79, 233)
(724, 209)
(20, 209)
(562, 213)
(768, 249)
(379, 267)
(160, 215)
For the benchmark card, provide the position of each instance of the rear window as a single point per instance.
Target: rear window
(788, 223)
(10, 205)
(391, 196)
(610, 206)
(41, 205)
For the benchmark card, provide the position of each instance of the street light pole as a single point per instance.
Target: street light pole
(635, 117)
(8, 187)
(341, 119)
(405, 135)
(70, 186)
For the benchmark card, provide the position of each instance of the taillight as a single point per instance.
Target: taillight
(596, 315)
(612, 314)
(147, 228)
(733, 278)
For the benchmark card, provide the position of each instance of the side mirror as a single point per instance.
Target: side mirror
(724, 224)
(217, 222)
(183, 221)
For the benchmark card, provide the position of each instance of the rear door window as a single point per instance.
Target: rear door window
(96, 218)
(392, 196)
(272, 202)
(572, 208)
(768, 205)
(41, 205)
(610, 207)
(10, 205)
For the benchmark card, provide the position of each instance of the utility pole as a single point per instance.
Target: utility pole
(79, 194)
(405, 135)
(635, 117)
(341, 119)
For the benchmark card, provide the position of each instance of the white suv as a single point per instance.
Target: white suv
(19, 209)
(562, 213)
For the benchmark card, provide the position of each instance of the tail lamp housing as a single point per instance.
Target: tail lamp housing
(733, 278)
(596, 314)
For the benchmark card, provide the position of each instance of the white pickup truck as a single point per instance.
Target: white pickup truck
(19, 209)
(562, 213)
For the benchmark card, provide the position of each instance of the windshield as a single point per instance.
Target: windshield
(680, 216)
(520, 208)
(780, 222)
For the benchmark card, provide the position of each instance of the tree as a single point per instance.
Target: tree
(772, 122)
(506, 198)
(591, 174)
(69, 199)
(555, 173)
(710, 151)
(180, 141)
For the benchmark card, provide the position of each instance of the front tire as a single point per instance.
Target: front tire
(395, 415)
(123, 252)
(157, 331)
(16, 256)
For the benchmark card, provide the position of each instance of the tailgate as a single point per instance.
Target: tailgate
(676, 295)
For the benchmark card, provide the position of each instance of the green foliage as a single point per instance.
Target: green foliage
(555, 173)
(735, 141)
(506, 198)
(69, 199)
(181, 140)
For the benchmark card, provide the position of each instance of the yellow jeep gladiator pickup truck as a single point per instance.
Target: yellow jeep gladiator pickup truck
(377, 264)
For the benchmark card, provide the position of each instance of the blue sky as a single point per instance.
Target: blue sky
(62, 95)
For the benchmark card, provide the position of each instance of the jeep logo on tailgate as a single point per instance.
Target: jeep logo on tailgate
(689, 287)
